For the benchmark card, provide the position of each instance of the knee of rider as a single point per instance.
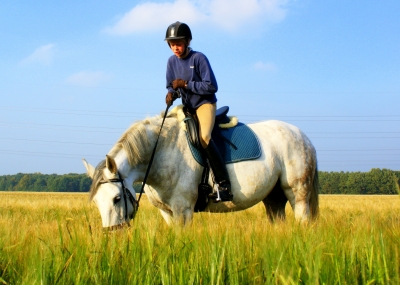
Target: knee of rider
(205, 140)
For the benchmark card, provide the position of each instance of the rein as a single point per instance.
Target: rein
(152, 157)
(176, 95)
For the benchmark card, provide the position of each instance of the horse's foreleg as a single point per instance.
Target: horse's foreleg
(177, 217)
(167, 215)
(182, 216)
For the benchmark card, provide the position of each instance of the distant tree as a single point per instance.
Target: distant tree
(24, 183)
(40, 184)
(84, 184)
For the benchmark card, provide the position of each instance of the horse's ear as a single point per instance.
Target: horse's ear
(111, 165)
(89, 168)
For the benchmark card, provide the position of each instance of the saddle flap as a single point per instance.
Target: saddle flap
(192, 127)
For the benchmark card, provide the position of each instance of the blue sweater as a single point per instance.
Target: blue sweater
(201, 82)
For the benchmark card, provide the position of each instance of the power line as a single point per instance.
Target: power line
(358, 154)
(23, 109)
(52, 125)
(359, 150)
(120, 130)
(354, 137)
(364, 161)
(131, 114)
(87, 143)
(300, 118)
(44, 154)
(62, 142)
(72, 130)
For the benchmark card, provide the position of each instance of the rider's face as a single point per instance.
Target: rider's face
(178, 47)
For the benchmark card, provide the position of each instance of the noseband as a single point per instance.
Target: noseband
(127, 195)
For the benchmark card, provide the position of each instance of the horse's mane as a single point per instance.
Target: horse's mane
(132, 141)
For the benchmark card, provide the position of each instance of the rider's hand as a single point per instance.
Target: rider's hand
(169, 98)
(178, 83)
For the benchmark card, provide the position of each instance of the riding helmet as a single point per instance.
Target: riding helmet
(178, 31)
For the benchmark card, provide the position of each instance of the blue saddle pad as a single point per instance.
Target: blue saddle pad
(241, 136)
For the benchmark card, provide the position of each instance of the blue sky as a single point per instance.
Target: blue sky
(74, 75)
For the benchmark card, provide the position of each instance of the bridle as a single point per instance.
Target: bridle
(125, 191)
(127, 195)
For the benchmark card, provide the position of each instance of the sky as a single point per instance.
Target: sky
(75, 74)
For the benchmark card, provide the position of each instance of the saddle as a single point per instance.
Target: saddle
(192, 124)
(235, 141)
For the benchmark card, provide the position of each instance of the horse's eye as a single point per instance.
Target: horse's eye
(116, 199)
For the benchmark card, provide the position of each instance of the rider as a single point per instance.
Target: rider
(190, 72)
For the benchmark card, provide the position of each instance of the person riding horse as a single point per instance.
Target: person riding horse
(190, 73)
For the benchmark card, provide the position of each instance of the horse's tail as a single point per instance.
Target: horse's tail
(314, 201)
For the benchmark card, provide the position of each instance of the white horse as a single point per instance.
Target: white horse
(285, 171)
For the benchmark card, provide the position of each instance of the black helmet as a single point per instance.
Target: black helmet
(178, 31)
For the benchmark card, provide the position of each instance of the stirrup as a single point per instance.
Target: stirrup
(223, 193)
(221, 196)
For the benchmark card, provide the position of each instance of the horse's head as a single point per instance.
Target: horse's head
(112, 194)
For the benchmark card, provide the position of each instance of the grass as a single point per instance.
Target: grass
(52, 238)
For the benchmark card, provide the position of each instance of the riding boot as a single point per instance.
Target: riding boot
(220, 173)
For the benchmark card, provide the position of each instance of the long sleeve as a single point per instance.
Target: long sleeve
(208, 84)
(201, 82)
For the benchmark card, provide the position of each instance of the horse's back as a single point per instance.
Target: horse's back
(288, 145)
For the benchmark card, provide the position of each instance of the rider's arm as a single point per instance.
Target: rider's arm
(206, 84)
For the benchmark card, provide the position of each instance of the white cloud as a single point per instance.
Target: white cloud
(228, 15)
(153, 16)
(88, 78)
(232, 14)
(265, 66)
(43, 55)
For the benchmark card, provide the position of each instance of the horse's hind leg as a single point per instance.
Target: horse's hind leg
(275, 203)
(300, 202)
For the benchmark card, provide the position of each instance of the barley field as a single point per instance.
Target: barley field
(56, 238)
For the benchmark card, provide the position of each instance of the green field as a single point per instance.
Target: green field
(55, 238)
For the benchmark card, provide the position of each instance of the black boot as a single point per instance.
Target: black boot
(221, 174)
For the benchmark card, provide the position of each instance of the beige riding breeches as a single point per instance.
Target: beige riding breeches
(206, 116)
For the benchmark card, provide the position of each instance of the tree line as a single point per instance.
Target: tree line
(376, 181)
(38, 182)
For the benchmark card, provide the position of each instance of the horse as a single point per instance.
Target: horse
(285, 171)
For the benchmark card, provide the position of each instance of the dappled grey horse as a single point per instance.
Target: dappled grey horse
(285, 171)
